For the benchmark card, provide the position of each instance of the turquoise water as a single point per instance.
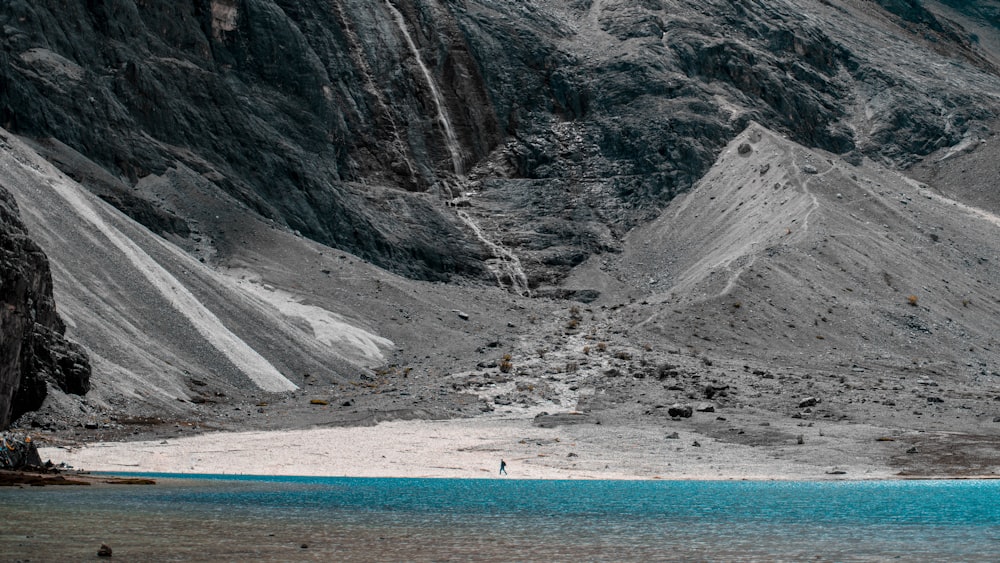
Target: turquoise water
(212, 518)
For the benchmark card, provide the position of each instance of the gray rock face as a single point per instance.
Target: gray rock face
(636, 106)
(574, 121)
(33, 351)
(285, 105)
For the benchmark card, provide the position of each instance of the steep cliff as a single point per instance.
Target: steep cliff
(289, 106)
(352, 122)
(33, 352)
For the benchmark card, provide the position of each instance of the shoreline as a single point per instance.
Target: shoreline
(157, 476)
(473, 448)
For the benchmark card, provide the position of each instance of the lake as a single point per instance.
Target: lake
(226, 518)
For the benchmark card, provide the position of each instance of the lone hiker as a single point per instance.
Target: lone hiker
(503, 467)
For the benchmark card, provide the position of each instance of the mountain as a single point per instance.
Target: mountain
(259, 202)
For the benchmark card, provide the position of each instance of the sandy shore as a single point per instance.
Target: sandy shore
(473, 448)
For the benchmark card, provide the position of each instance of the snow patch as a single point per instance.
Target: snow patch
(327, 327)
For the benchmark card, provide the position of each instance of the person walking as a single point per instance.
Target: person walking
(503, 467)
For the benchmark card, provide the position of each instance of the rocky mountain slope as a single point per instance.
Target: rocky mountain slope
(338, 119)
(382, 206)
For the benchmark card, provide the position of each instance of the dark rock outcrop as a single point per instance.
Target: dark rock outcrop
(288, 106)
(680, 411)
(613, 121)
(574, 121)
(33, 351)
(18, 452)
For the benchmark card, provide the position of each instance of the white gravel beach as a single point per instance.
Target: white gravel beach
(473, 448)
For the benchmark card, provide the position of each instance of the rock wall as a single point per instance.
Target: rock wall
(291, 106)
(575, 120)
(33, 352)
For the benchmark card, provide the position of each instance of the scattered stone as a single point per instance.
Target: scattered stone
(546, 420)
(808, 402)
(673, 436)
(705, 407)
(836, 472)
(104, 551)
(696, 444)
(800, 439)
(912, 450)
(712, 391)
(809, 169)
(745, 149)
(935, 400)
(996, 419)
(680, 411)
(319, 402)
(462, 315)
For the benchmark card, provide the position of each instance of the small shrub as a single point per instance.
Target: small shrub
(586, 350)
(505, 364)
(602, 346)
(912, 300)
(571, 367)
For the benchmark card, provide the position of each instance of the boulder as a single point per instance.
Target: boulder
(680, 411)
(18, 452)
(712, 391)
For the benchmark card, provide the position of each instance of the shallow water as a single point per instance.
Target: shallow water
(344, 519)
